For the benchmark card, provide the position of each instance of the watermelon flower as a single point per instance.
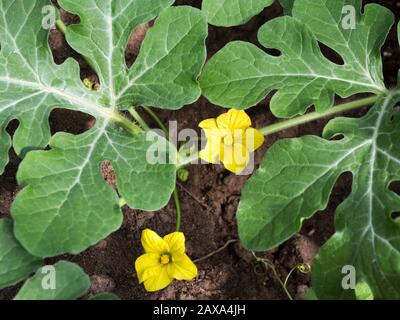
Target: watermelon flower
(163, 261)
(230, 140)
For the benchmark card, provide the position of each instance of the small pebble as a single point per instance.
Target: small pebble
(101, 283)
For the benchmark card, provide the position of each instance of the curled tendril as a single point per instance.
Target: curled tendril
(260, 269)
(304, 268)
(267, 264)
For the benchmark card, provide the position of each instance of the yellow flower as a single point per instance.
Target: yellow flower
(164, 260)
(230, 140)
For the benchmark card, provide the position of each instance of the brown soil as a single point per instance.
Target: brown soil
(209, 198)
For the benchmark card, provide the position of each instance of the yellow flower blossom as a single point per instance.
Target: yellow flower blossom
(163, 261)
(230, 140)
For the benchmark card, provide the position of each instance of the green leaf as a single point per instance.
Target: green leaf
(170, 58)
(310, 295)
(16, 263)
(105, 296)
(363, 291)
(241, 75)
(287, 6)
(295, 180)
(71, 282)
(32, 85)
(66, 205)
(229, 13)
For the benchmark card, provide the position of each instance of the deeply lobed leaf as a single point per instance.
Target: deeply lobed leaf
(295, 180)
(171, 56)
(66, 198)
(66, 205)
(241, 75)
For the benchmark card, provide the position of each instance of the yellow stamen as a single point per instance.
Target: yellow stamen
(165, 259)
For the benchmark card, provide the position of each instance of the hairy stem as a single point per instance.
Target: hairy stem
(138, 118)
(124, 122)
(283, 125)
(61, 26)
(116, 117)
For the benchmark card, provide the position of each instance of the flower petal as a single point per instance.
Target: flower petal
(208, 124)
(176, 242)
(211, 153)
(213, 133)
(235, 158)
(234, 119)
(156, 278)
(182, 268)
(210, 128)
(153, 243)
(145, 262)
(254, 139)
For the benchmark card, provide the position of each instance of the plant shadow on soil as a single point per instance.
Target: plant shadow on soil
(209, 198)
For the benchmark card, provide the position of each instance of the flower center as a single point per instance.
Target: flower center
(165, 259)
(228, 139)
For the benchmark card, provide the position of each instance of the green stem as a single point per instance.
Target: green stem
(178, 209)
(157, 120)
(116, 117)
(175, 194)
(61, 26)
(187, 160)
(280, 126)
(120, 120)
(122, 202)
(138, 118)
(276, 127)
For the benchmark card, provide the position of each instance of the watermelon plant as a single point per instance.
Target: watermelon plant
(65, 205)
(297, 175)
